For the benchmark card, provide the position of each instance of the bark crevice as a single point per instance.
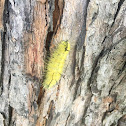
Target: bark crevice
(3, 40)
(118, 9)
(10, 115)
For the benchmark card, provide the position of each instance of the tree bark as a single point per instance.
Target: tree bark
(91, 91)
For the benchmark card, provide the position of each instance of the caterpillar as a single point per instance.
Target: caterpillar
(54, 67)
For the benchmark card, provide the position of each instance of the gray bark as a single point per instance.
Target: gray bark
(91, 91)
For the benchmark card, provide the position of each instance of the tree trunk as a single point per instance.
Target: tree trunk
(92, 87)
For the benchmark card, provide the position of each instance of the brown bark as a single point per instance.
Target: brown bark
(91, 91)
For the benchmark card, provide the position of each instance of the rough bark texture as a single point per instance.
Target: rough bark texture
(92, 89)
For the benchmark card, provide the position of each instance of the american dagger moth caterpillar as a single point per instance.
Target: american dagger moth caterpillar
(54, 67)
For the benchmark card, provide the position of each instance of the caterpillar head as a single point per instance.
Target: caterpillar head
(65, 45)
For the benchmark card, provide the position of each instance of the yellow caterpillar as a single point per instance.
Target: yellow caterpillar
(55, 64)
